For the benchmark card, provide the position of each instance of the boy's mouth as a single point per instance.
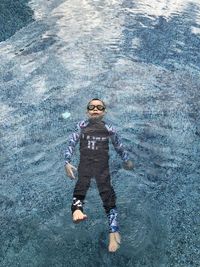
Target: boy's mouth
(96, 116)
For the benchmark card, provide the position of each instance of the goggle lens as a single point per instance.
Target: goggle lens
(99, 107)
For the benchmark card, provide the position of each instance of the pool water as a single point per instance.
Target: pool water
(142, 58)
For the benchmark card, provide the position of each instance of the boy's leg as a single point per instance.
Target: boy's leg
(79, 194)
(106, 190)
(108, 197)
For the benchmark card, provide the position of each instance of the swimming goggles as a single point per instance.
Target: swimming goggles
(99, 107)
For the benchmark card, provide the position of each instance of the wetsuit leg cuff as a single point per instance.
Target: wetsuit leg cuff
(77, 204)
(112, 221)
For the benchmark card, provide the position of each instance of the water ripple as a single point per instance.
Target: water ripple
(142, 58)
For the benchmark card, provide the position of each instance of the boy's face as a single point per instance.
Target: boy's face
(96, 113)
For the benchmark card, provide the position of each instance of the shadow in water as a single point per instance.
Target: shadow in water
(13, 16)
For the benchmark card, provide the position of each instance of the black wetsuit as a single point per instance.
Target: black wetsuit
(94, 162)
(94, 159)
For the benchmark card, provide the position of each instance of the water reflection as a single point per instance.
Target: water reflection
(163, 36)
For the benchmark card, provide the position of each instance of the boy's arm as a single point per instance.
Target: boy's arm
(117, 143)
(72, 142)
(123, 153)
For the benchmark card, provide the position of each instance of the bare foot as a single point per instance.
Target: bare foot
(114, 241)
(78, 216)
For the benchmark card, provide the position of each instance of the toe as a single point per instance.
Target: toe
(118, 238)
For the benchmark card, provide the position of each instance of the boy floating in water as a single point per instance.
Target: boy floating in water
(93, 134)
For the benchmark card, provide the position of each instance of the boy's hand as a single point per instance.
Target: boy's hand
(69, 170)
(128, 165)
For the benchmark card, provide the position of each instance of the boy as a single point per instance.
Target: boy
(93, 134)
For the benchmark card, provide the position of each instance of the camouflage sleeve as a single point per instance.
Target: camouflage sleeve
(72, 142)
(117, 143)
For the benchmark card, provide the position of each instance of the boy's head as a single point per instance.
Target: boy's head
(96, 109)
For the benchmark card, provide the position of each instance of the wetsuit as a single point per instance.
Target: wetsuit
(94, 162)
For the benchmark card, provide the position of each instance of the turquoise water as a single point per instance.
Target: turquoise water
(143, 60)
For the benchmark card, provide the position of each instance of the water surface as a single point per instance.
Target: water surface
(142, 59)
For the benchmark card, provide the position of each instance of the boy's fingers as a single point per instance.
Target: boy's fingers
(71, 166)
(69, 171)
(128, 165)
(72, 174)
(74, 168)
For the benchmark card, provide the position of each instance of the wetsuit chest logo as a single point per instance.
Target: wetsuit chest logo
(92, 141)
